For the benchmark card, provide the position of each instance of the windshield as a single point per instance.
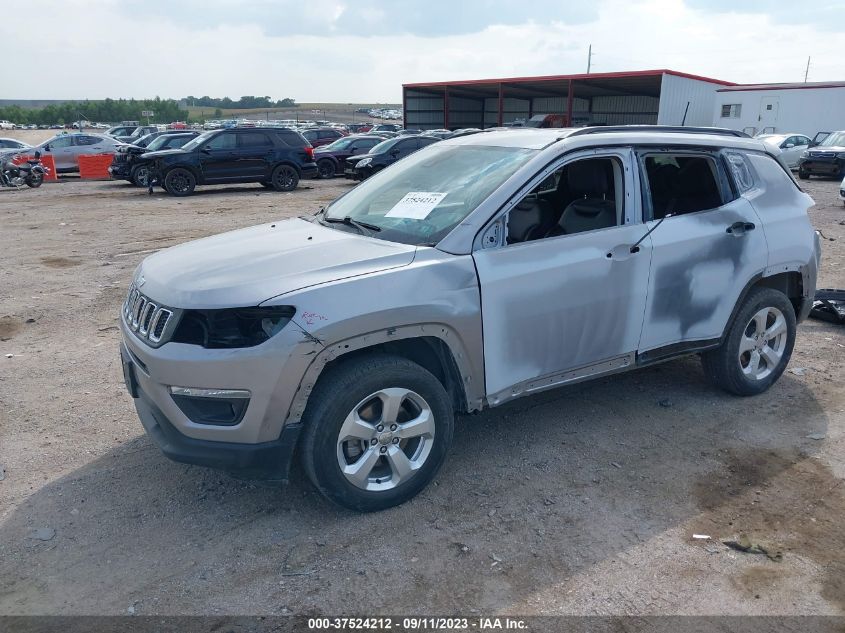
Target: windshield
(420, 199)
(837, 139)
(341, 143)
(146, 140)
(384, 146)
(197, 141)
(159, 142)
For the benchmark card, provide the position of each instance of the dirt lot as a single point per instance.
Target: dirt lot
(578, 501)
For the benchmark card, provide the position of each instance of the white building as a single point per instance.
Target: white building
(805, 108)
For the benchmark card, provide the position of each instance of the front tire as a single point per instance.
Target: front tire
(326, 168)
(284, 178)
(377, 431)
(140, 176)
(180, 182)
(758, 345)
(803, 175)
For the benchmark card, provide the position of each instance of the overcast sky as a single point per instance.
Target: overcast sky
(363, 50)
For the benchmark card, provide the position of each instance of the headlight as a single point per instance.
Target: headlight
(364, 162)
(804, 154)
(231, 327)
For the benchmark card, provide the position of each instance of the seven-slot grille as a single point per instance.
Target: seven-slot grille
(145, 317)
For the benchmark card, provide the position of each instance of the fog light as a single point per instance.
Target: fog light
(222, 407)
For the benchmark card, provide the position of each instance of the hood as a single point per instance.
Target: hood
(164, 153)
(252, 265)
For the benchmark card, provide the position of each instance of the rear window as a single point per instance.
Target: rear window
(291, 138)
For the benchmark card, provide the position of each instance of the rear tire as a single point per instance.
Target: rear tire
(179, 182)
(284, 178)
(34, 180)
(376, 432)
(757, 347)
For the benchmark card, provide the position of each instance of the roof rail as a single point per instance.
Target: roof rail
(674, 129)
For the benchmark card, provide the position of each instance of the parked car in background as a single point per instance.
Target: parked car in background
(464, 131)
(13, 144)
(124, 164)
(386, 127)
(138, 132)
(120, 130)
(480, 270)
(384, 154)
(359, 128)
(275, 157)
(6, 125)
(441, 133)
(842, 191)
(67, 148)
(825, 159)
(331, 158)
(791, 146)
(322, 135)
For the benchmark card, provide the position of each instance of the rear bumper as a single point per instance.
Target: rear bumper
(309, 171)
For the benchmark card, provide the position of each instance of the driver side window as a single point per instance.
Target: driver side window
(583, 195)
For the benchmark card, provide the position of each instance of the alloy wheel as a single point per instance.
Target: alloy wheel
(385, 439)
(763, 343)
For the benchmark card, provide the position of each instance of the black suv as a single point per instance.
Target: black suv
(330, 158)
(275, 157)
(386, 153)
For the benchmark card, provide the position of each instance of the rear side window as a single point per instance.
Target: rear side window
(254, 139)
(681, 183)
(741, 171)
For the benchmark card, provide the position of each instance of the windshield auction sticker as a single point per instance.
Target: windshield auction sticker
(416, 205)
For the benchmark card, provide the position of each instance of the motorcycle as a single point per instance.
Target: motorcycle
(31, 173)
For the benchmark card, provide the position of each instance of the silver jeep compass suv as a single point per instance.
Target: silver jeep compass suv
(478, 270)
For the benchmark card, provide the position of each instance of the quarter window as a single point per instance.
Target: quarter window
(254, 139)
(731, 110)
(681, 183)
(741, 171)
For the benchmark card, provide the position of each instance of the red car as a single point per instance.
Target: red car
(318, 136)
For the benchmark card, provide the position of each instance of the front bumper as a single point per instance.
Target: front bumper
(267, 460)
(822, 166)
(119, 170)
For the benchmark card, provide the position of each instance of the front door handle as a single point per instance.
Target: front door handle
(740, 228)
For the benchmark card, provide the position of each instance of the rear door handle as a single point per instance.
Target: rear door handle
(740, 228)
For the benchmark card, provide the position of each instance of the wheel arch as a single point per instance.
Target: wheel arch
(789, 282)
(289, 163)
(435, 347)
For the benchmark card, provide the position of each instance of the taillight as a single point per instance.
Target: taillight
(309, 151)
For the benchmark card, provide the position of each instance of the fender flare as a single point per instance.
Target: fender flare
(473, 386)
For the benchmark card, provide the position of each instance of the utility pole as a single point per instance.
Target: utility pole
(807, 72)
(589, 58)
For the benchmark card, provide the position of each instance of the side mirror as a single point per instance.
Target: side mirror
(47, 148)
(789, 146)
(394, 152)
(813, 143)
(206, 150)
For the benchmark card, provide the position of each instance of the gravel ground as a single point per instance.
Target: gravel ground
(578, 501)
